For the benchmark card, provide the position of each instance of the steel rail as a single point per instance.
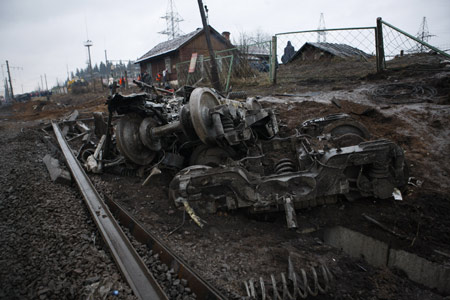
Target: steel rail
(130, 264)
(199, 286)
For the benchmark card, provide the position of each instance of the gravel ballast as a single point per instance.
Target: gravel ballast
(50, 248)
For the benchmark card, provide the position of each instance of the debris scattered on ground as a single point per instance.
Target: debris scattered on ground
(57, 174)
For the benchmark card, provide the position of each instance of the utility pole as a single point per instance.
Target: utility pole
(106, 58)
(46, 86)
(321, 34)
(42, 83)
(423, 34)
(214, 74)
(172, 21)
(89, 44)
(10, 82)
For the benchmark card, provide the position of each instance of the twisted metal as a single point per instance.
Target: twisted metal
(403, 93)
(295, 287)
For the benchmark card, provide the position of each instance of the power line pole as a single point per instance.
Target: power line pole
(214, 74)
(321, 34)
(46, 86)
(172, 21)
(42, 83)
(89, 44)
(423, 34)
(10, 82)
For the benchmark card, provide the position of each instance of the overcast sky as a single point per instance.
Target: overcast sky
(40, 37)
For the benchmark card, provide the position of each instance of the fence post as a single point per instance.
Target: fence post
(380, 46)
(273, 63)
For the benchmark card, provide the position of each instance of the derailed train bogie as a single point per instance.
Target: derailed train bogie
(231, 155)
(379, 165)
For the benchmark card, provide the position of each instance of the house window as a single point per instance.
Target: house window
(149, 68)
(167, 62)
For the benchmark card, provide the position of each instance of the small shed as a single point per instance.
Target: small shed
(167, 54)
(256, 55)
(317, 51)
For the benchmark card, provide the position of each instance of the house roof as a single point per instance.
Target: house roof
(340, 50)
(256, 50)
(175, 44)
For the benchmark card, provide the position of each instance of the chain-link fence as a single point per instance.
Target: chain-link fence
(361, 38)
(240, 65)
(350, 52)
(375, 48)
(401, 48)
(326, 54)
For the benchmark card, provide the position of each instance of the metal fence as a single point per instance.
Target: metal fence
(258, 63)
(240, 65)
(362, 38)
(385, 42)
(396, 43)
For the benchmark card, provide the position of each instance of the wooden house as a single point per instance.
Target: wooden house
(167, 54)
(319, 51)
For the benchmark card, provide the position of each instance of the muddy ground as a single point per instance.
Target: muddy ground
(234, 247)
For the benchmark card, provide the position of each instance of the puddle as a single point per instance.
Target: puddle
(379, 254)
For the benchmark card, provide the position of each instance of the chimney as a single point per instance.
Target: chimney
(226, 35)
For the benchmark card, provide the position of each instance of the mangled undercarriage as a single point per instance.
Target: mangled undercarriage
(231, 154)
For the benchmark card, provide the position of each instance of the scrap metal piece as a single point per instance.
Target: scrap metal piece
(57, 174)
(192, 214)
(71, 118)
(299, 286)
(397, 194)
(291, 217)
(155, 171)
(93, 162)
(100, 126)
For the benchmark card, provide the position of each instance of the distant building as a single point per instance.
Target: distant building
(167, 54)
(257, 55)
(318, 51)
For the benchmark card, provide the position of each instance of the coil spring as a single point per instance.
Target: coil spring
(227, 124)
(296, 286)
(284, 165)
(379, 170)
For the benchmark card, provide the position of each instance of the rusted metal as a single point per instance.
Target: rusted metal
(200, 287)
(253, 167)
(130, 264)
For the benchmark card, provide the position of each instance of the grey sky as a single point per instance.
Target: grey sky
(43, 36)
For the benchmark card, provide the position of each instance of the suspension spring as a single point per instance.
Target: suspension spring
(284, 165)
(379, 170)
(227, 124)
(295, 287)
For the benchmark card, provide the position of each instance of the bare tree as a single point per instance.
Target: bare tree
(249, 38)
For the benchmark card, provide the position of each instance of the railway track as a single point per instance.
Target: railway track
(107, 214)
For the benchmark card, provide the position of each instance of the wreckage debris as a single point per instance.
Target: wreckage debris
(231, 154)
(57, 174)
(295, 286)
